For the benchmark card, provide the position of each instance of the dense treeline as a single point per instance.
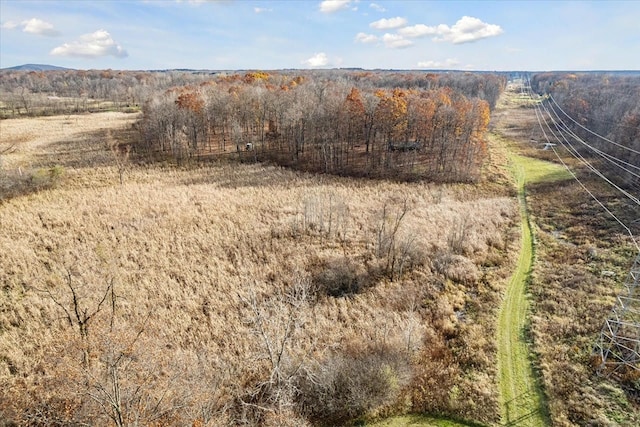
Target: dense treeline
(487, 87)
(367, 123)
(35, 93)
(606, 104)
(353, 125)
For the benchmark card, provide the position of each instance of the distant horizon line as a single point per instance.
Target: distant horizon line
(49, 67)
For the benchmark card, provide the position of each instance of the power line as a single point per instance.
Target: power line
(618, 347)
(581, 158)
(592, 132)
(610, 158)
(540, 118)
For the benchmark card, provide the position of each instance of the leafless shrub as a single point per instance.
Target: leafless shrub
(52, 411)
(410, 254)
(340, 276)
(6, 149)
(287, 418)
(327, 214)
(353, 384)
(396, 246)
(121, 154)
(458, 236)
(21, 182)
(110, 371)
(277, 324)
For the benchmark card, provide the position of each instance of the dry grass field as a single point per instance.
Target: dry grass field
(66, 140)
(223, 293)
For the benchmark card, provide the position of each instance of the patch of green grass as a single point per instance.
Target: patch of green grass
(521, 396)
(537, 171)
(418, 421)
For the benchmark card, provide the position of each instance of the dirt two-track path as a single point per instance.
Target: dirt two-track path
(522, 401)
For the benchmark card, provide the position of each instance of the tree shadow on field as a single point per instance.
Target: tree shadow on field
(43, 169)
(80, 151)
(233, 175)
(88, 149)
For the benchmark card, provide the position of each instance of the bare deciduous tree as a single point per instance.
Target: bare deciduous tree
(121, 155)
(389, 247)
(277, 323)
(78, 312)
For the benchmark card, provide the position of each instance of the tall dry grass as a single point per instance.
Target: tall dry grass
(192, 270)
(39, 153)
(583, 260)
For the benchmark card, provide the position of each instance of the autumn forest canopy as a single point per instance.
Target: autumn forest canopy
(404, 126)
(353, 125)
(381, 124)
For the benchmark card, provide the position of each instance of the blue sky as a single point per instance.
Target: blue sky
(246, 34)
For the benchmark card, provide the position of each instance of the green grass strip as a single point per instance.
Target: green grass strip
(537, 171)
(417, 420)
(522, 400)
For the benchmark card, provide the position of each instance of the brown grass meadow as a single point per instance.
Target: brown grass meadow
(222, 293)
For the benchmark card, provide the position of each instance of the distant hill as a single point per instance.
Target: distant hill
(36, 67)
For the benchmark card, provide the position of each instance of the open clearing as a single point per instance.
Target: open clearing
(45, 141)
(187, 250)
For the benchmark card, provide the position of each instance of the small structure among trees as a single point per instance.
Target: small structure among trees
(342, 126)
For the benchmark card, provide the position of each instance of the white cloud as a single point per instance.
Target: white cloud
(466, 30)
(9, 25)
(469, 29)
(395, 41)
(33, 26)
(422, 30)
(388, 24)
(40, 27)
(261, 10)
(377, 7)
(317, 60)
(330, 6)
(366, 38)
(91, 45)
(447, 63)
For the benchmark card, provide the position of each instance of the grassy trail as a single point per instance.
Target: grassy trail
(521, 398)
(416, 420)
